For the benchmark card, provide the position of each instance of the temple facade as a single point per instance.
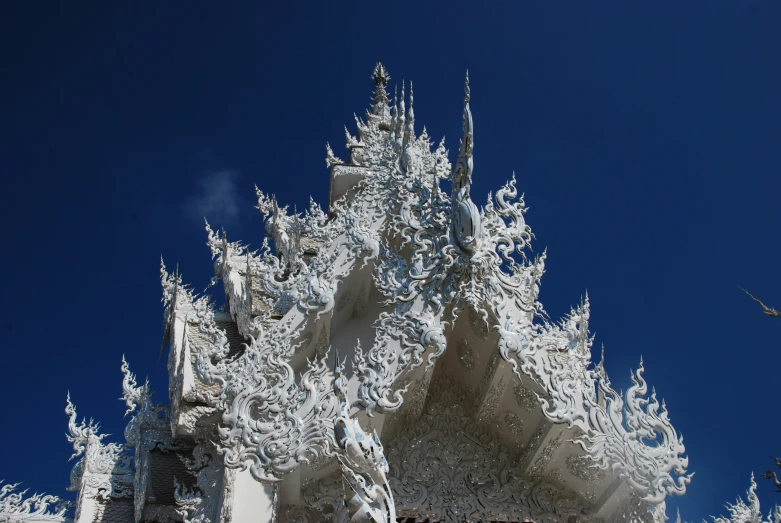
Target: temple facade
(384, 359)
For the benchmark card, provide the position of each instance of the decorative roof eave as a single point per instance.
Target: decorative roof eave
(616, 430)
(16, 508)
(231, 261)
(104, 470)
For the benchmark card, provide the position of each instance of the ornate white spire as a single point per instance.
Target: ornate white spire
(409, 130)
(380, 75)
(462, 174)
(466, 222)
(402, 110)
(395, 103)
(132, 394)
(78, 433)
(397, 125)
(330, 158)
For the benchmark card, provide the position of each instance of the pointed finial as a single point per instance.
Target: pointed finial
(401, 106)
(409, 130)
(411, 112)
(463, 168)
(395, 109)
(466, 221)
(380, 75)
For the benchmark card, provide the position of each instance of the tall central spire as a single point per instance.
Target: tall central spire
(380, 77)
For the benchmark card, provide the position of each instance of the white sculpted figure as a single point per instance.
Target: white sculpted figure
(367, 493)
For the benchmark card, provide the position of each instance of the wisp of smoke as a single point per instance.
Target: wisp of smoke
(217, 199)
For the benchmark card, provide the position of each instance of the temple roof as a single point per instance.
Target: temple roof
(428, 258)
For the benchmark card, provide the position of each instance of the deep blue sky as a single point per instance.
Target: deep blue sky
(645, 137)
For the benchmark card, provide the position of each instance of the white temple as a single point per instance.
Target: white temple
(387, 360)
